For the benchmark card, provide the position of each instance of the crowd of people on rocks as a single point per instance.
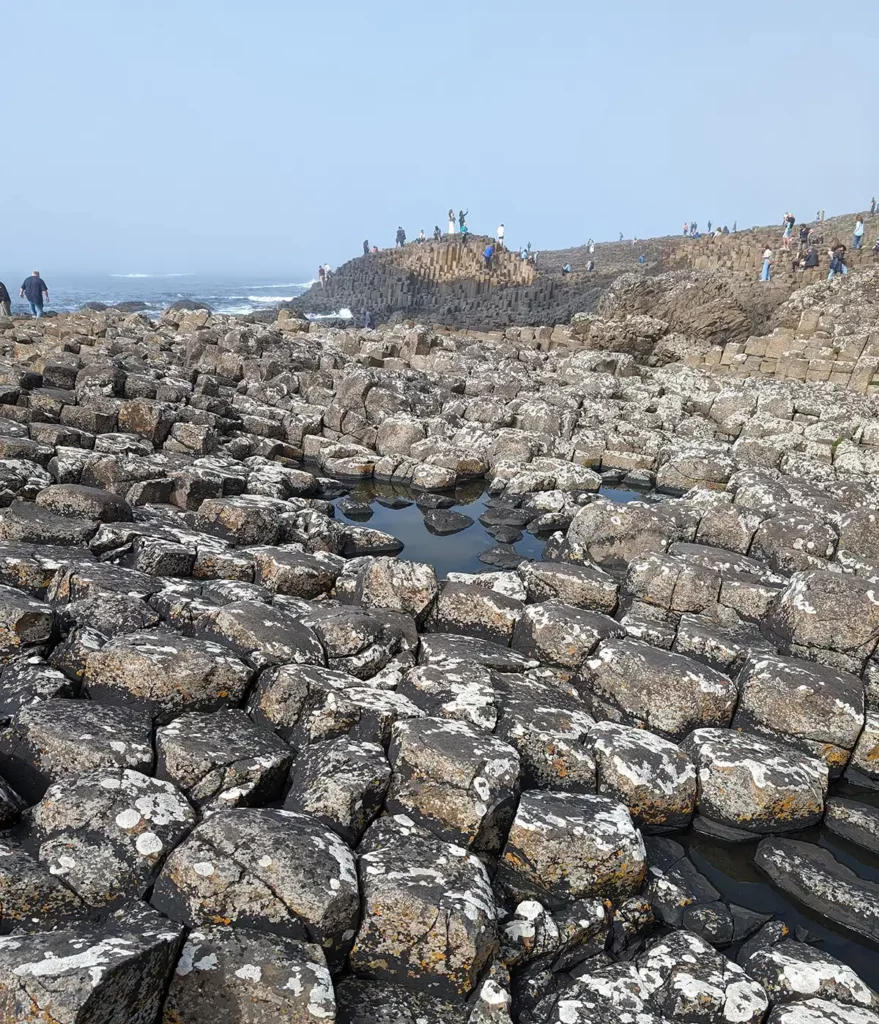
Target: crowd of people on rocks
(811, 238)
(691, 229)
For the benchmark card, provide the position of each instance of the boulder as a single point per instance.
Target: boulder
(222, 759)
(567, 846)
(456, 781)
(165, 674)
(634, 683)
(813, 707)
(272, 870)
(652, 776)
(242, 976)
(561, 634)
(429, 918)
(754, 784)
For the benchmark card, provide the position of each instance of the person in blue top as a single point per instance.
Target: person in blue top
(487, 255)
(34, 288)
(641, 258)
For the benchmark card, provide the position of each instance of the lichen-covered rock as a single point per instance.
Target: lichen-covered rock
(342, 783)
(55, 738)
(566, 846)
(475, 611)
(31, 897)
(634, 683)
(402, 586)
(751, 783)
(818, 709)
(822, 613)
(428, 911)
(222, 759)
(276, 871)
(448, 651)
(794, 971)
(456, 781)
(241, 976)
(164, 674)
(561, 634)
(82, 974)
(24, 623)
(262, 635)
(815, 877)
(548, 727)
(583, 586)
(652, 776)
(855, 821)
(106, 833)
(77, 502)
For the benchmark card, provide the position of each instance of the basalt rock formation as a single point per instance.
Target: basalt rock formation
(257, 763)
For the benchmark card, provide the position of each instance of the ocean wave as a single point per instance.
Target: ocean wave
(151, 275)
(271, 298)
(289, 284)
(341, 314)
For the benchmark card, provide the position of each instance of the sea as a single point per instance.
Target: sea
(224, 294)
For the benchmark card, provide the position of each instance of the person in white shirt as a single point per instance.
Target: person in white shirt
(767, 263)
(500, 236)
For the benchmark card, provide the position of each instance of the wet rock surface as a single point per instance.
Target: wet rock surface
(340, 680)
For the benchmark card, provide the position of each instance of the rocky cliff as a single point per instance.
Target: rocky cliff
(447, 283)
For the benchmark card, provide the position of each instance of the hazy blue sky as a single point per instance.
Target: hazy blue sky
(217, 135)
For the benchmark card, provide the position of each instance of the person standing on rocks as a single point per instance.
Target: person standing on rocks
(401, 238)
(873, 206)
(5, 301)
(709, 227)
(837, 260)
(421, 236)
(437, 234)
(686, 229)
(858, 239)
(35, 290)
(487, 255)
(766, 274)
(591, 248)
(366, 247)
(500, 236)
(462, 218)
(451, 222)
(322, 276)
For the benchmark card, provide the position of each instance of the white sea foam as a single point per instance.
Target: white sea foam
(341, 314)
(151, 275)
(270, 298)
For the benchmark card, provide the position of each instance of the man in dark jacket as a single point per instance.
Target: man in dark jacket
(34, 289)
(5, 301)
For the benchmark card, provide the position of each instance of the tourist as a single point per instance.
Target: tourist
(566, 269)
(375, 248)
(524, 253)
(859, 233)
(804, 235)
(487, 255)
(686, 229)
(641, 258)
(368, 322)
(717, 232)
(735, 226)
(590, 265)
(327, 272)
(500, 236)
(811, 258)
(465, 234)
(837, 260)
(321, 275)
(621, 236)
(873, 206)
(725, 229)
(34, 288)
(401, 238)
(693, 228)
(788, 229)
(451, 222)
(709, 227)
(365, 247)
(5, 301)
(874, 250)
(437, 234)
(421, 236)
(767, 264)
(591, 248)
(462, 218)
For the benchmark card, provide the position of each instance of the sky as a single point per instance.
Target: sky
(215, 136)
